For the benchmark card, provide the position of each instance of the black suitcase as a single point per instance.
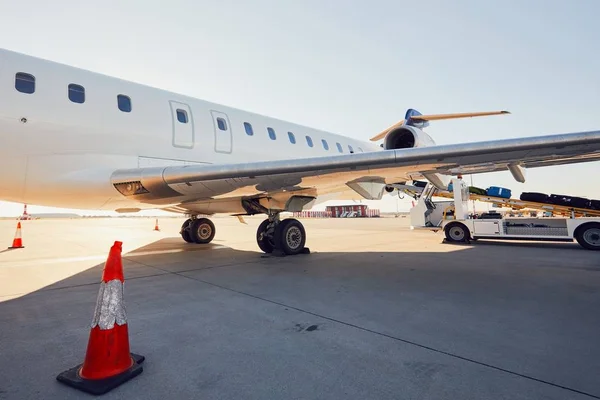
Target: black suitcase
(534, 197)
(420, 184)
(594, 205)
(491, 215)
(579, 202)
(569, 201)
(559, 200)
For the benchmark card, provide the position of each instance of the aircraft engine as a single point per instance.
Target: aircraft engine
(406, 137)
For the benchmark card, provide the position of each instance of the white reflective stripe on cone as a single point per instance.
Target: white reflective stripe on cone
(110, 308)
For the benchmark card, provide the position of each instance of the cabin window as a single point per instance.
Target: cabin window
(222, 124)
(248, 129)
(325, 144)
(292, 138)
(271, 133)
(124, 103)
(182, 116)
(351, 149)
(309, 141)
(76, 93)
(339, 147)
(25, 83)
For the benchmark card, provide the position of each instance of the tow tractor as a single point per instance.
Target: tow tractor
(459, 225)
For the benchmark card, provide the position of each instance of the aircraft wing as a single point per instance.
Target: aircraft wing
(181, 184)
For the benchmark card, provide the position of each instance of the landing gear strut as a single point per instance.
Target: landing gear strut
(287, 236)
(198, 230)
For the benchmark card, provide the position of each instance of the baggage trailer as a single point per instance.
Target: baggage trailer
(454, 218)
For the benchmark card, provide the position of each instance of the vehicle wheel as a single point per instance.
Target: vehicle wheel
(290, 236)
(456, 232)
(202, 230)
(265, 241)
(185, 231)
(588, 236)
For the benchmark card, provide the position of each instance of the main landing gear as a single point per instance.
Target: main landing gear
(287, 236)
(198, 230)
(273, 235)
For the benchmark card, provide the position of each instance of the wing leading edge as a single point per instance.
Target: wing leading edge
(164, 185)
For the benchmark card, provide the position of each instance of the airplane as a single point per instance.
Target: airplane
(74, 138)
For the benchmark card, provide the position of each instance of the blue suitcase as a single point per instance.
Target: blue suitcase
(496, 191)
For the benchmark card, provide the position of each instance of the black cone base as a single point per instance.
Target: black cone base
(100, 386)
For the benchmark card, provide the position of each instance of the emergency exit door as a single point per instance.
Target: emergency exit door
(183, 125)
(223, 137)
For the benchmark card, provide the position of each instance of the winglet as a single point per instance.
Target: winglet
(413, 116)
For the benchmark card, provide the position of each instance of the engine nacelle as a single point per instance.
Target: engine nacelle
(407, 137)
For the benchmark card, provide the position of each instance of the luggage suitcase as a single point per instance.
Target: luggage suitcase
(579, 202)
(419, 184)
(476, 190)
(594, 205)
(496, 191)
(558, 199)
(534, 197)
(569, 201)
(491, 215)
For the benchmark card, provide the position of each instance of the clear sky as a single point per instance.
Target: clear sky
(347, 66)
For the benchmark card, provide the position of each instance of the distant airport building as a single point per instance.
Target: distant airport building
(342, 211)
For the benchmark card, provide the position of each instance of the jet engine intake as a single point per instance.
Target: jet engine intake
(407, 137)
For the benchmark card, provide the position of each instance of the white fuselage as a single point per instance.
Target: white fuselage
(57, 152)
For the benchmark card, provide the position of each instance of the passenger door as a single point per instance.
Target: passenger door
(183, 125)
(223, 136)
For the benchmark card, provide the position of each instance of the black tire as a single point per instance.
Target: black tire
(456, 232)
(202, 231)
(265, 243)
(185, 231)
(588, 236)
(290, 236)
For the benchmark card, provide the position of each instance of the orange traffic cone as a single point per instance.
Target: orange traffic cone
(17, 241)
(156, 228)
(108, 362)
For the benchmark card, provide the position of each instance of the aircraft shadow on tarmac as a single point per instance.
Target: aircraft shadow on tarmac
(171, 255)
(465, 305)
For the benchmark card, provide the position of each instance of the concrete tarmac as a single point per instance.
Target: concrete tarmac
(376, 311)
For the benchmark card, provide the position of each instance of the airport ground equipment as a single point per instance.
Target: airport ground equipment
(460, 225)
(418, 189)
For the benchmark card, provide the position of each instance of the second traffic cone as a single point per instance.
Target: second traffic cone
(108, 362)
(17, 241)
(156, 225)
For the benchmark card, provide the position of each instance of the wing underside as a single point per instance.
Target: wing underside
(320, 176)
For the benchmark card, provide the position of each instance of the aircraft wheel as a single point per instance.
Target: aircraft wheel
(185, 231)
(264, 239)
(290, 236)
(202, 230)
(456, 232)
(588, 236)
